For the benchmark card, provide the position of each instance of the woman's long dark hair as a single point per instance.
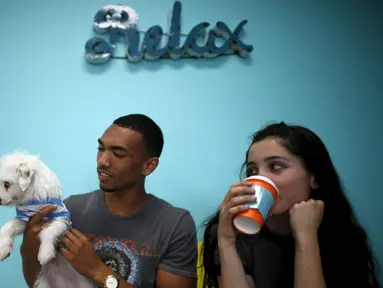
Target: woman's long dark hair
(344, 246)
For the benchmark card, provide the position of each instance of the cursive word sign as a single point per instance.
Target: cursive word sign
(99, 50)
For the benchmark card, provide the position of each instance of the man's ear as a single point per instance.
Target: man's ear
(150, 165)
(25, 175)
(313, 183)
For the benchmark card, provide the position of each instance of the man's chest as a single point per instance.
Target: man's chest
(135, 261)
(131, 250)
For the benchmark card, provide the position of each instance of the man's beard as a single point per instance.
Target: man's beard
(116, 189)
(111, 190)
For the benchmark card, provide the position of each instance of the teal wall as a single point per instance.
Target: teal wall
(317, 64)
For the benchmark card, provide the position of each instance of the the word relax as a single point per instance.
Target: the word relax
(99, 50)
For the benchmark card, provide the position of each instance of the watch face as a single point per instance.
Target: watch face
(111, 282)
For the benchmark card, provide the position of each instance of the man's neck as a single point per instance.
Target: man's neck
(126, 202)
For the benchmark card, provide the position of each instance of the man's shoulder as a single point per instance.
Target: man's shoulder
(80, 199)
(175, 217)
(166, 208)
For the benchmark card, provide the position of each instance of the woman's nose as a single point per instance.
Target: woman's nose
(266, 174)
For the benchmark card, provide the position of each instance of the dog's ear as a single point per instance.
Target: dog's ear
(24, 174)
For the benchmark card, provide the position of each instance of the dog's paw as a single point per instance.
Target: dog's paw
(46, 254)
(6, 247)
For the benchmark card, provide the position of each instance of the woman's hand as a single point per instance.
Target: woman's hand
(305, 219)
(238, 194)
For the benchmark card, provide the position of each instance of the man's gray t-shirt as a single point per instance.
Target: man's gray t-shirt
(160, 236)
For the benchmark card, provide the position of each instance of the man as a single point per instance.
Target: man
(122, 234)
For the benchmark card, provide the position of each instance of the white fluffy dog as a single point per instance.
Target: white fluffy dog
(29, 185)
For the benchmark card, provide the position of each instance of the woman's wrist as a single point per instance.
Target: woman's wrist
(306, 239)
(224, 243)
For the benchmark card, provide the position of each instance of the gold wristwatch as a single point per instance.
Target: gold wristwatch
(111, 281)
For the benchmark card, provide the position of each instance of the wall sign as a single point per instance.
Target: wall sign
(120, 20)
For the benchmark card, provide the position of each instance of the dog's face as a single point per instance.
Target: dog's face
(16, 176)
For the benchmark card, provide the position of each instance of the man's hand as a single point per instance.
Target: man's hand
(80, 253)
(31, 240)
(31, 244)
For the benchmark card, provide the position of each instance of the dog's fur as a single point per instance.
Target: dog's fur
(24, 178)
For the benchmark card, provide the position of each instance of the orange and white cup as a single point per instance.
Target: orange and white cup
(251, 221)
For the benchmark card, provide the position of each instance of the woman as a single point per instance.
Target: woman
(311, 237)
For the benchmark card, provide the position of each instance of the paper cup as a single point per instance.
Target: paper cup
(251, 221)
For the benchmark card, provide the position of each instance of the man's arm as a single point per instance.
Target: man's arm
(31, 269)
(164, 279)
(178, 267)
(31, 244)
(80, 254)
(103, 272)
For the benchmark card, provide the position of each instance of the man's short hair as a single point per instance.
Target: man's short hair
(151, 132)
